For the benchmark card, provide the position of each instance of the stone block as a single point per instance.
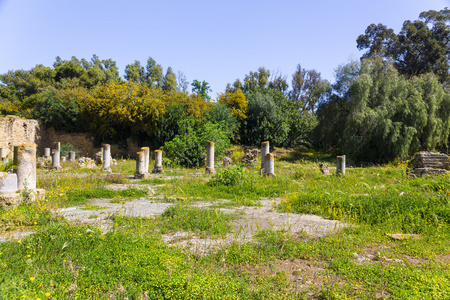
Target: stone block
(428, 164)
(10, 199)
(419, 172)
(8, 182)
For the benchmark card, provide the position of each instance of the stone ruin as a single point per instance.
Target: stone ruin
(249, 156)
(325, 169)
(20, 185)
(428, 164)
(227, 161)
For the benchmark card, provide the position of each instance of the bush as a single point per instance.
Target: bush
(66, 148)
(188, 148)
(228, 177)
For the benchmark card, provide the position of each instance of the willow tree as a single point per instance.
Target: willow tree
(375, 114)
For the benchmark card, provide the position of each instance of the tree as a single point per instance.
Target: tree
(236, 102)
(154, 75)
(421, 47)
(307, 89)
(264, 121)
(201, 89)
(375, 114)
(135, 73)
(256, 80)
(188, 148)
(182, 83)
(259, 81)
(170, 81)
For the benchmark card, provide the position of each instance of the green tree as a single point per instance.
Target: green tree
(307, 89)
(154, 74)
(188, 148)
(170, 81)
(259, 81)
(421, 46)
(264, 121)
(135, 73)
(375, 114)
(201, 89)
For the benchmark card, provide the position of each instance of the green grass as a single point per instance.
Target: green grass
(80, 263)
(202, 221)
(132, 261)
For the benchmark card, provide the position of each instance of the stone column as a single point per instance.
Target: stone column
(340, 165)
(56, 156)
(158, 162)
(63, 159)
(3, 156)
(269, 168)
(146, 151)
(72, 156)
(210, 158)
(57, 145)
(47, 153)
(25, 161)
(140, 165)
(264, 151)
(55, 159)
(106, 158)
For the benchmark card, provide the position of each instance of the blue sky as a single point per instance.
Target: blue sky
(217, 41)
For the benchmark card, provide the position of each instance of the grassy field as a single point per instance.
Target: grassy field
(131, 261)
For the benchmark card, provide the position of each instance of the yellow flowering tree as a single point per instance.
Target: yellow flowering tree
(124, 108)
(236, 102)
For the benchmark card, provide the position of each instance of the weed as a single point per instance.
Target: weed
(198, 220)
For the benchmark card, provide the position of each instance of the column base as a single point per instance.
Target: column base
(142, 176)
(158, 170)
(210, 170)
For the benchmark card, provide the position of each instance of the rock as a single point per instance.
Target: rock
(42, 162)
(86, 162)
(98, 157)
(324, 169)
(226, 161)
(8, 182)
(249, 157)
(428, 164)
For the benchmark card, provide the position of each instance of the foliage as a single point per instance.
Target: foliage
(63, 113)
(188, 148)
(201, 89)
(220, 114)
(170, 81)
(421, 46)
(265, 121)
(229, 176)
(376, 115)
(236, 102)
(123, 109)
(68, 147)
(307, 89)
(259, 81)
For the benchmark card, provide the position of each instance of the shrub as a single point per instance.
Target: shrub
(188, 148)
(66, 148)
(228, 177)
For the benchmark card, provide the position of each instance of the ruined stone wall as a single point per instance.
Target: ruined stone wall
(16, 131)
(81, 141)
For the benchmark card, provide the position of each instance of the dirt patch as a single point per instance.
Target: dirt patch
(306, 277)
